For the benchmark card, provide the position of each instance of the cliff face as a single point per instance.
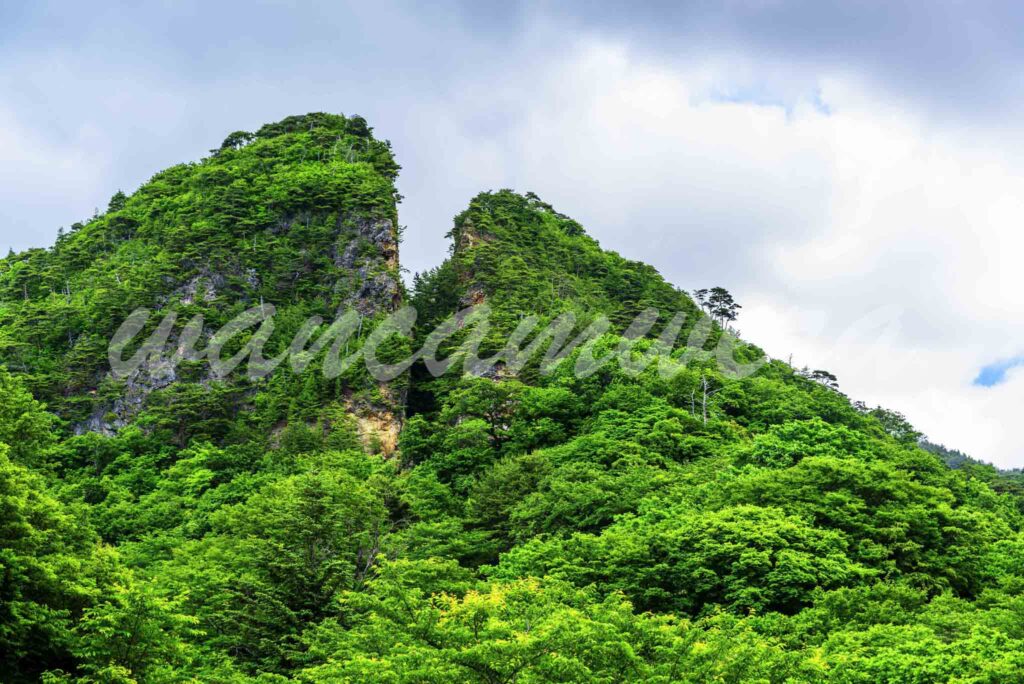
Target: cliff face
(301, 214)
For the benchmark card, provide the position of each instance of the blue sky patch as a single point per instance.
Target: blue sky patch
(995, 373)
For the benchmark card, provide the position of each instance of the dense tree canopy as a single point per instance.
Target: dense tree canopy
(530, 525)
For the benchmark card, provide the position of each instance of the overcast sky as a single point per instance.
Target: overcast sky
(852, 172)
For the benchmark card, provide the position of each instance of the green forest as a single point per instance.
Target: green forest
(525, 525)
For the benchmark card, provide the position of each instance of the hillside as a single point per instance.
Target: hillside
(536, 524)
(300, 215)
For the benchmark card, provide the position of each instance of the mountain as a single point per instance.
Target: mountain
(520, 254)
(710, 515)
(301, 214)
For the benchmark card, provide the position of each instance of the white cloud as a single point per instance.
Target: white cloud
(863, 240)
(861, 237)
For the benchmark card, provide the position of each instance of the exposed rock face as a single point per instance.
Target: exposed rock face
(155, 373)
(349, 258)
(376, 293)
(366, 256)
(370, 254)
(360, 232)
(466, 240)
(474, 295)
(381, 233)
(284, 217)
(470, 236)
(199, 288)
(379, 431)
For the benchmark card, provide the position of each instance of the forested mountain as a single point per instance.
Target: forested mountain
(530, 523)
(300, 215)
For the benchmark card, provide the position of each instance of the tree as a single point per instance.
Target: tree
(701, 297)
(135, 635)
(46, 567)
(237, 140)
(707, 390)
(117, 202)
(280, 558)
(527, 630)
(25, 426)
(739, 558)
(722, 306)
(718, 303)
(493, 402)
(896, 425)
(823, 377)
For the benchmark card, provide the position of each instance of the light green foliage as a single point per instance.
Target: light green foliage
(532, 527)
(742, 558)
(267, 217)
(48, 568)
(25, 427)
(134, 635)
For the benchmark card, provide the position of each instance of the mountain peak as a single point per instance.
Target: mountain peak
(302, 214)
(520, 254)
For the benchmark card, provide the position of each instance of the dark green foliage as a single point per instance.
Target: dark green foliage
(532, 526)
(266, 218)
(523, 256)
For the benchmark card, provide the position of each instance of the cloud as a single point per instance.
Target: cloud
(859, 237)
(41, 180)
(957, 60)
(856, 182)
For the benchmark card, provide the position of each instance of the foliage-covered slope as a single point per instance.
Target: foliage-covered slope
(301, 214)
(532, 527)
(521, 255)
